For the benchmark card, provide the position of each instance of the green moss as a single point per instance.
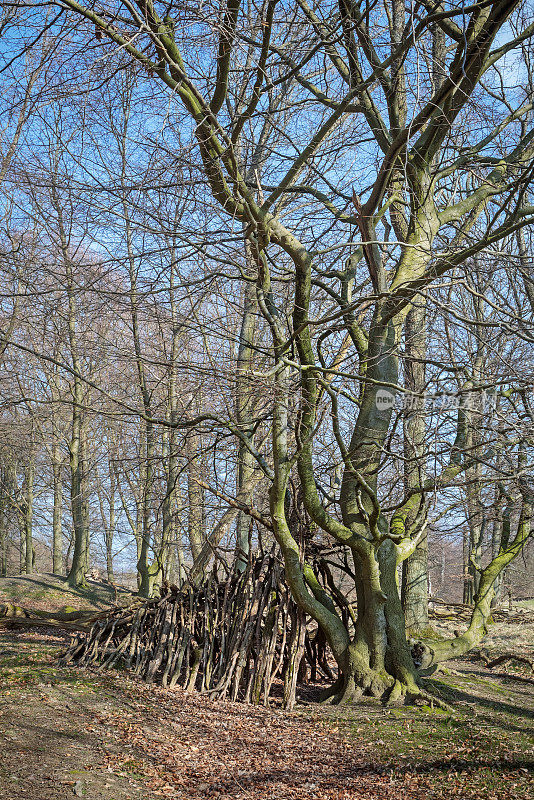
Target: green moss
(433, 710)
(428, 632)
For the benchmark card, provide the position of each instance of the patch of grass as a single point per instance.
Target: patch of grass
(485, 750)
(47, 592)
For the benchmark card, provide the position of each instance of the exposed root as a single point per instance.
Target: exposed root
(410, 693)
(522, 659)
(432, 700)
(351, 693)
(397, 693)
(328, 696)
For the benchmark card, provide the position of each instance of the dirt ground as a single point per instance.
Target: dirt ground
(105, 736)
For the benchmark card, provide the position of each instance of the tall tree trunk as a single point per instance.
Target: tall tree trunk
(474, 504)
(4, 504)
(147, 571)
(76, 576)
(415, 567)
(195, 493)
(244, 415)
(22, 550)
(500, 531)
(468, 593)
(171, 545)
(28, 514)
(57, 533)
(110, 527)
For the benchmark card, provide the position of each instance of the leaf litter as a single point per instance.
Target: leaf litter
(173, 744)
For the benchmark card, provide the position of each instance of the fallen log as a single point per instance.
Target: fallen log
(15, 616)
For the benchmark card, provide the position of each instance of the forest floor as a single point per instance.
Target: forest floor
(68, 732)
(47, 592)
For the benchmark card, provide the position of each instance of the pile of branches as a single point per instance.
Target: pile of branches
(241, 637)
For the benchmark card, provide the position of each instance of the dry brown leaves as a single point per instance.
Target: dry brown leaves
(195, 748)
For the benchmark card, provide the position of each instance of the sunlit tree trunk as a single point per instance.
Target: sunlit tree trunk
(172, 558)
(245, 416)
(76, 576)
(195, 493)
(57, 532)
(110, 521)
(28, 512)
(415, 567)
(4, 505)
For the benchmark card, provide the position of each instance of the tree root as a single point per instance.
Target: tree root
(397, 693)
(508, 657)
(414, 695)
(432, 700)
(328, 696)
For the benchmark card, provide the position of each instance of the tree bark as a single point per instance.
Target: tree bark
(4, 503)
(244, 416)
(28, 514)
(57, 533)
(195, 494)
(415, 567)
(76, 576)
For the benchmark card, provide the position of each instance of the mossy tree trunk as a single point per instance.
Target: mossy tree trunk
(415, 567)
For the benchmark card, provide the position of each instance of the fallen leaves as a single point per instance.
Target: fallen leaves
(184, 746)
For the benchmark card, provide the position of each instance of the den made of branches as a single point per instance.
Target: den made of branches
(241, 637)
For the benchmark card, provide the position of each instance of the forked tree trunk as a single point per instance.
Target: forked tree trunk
(377, 659)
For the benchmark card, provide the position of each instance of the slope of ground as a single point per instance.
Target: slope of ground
(47, 592)
(70, 732)
(513, 631)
